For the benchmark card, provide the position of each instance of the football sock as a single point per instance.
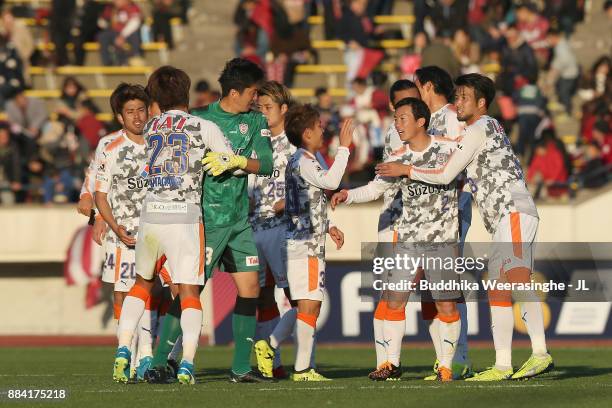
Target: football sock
(131, 311)
(502, 325)
(379, 341)
(434, 333)
(134, 352)
(170, 331)
(461, 352)
(531, 313)
(191, 326)
(284, 328)
(243, 325)
(449, 328)
(305, 328)
(394, 327)
(144, 332)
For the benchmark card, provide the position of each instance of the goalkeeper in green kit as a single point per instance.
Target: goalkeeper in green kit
(225, 204)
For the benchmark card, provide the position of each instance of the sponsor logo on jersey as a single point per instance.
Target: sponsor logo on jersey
(266, 133)
(441, 158)
(244, 128)
(415, 190)
(145, 171)
(252, 261)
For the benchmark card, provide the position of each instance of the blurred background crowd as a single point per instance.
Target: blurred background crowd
(556, 108)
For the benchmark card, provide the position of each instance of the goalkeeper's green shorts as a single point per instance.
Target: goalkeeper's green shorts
(231, 248)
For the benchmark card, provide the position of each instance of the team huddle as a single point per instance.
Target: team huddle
(243, 190)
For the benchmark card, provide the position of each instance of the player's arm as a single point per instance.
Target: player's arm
(312, 172)
(263, 148)
(86, 201)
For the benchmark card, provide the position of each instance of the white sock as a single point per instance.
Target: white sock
(134, 351)
(191, 325)
(379, 342)
(502, 326)
(393, 331)
(132, 310)
(449, 335)
(461, 352)
(283, 328)
(176, 349)
(434, 332)
(144, 335)
(305, 341)
(531, 313)
(312, 353)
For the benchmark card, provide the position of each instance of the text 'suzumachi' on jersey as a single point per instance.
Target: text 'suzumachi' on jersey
(176, 142)
(305, 200)
(121, 175)
(265, 191)
(494, 173)
(430, 212)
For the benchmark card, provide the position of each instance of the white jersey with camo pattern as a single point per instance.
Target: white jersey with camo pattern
(493, 172)
(121, 174)
(266, 191)
(176, 143)
(89, 183)
(430, 212)
(444, 122)
(305, 200)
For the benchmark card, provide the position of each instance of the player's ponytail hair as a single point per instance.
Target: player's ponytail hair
(276, 91)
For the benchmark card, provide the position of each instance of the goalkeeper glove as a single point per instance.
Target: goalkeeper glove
(216, 163)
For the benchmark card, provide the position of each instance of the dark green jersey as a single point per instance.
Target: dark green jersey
(226, 196)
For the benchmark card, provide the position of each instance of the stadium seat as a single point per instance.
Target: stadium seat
(404, 21)
(93, 76)
(310, 92)
(337, 44)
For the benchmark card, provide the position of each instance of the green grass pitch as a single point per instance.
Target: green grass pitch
(582, 378)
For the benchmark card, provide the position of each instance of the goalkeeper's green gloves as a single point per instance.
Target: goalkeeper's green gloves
(216, 163)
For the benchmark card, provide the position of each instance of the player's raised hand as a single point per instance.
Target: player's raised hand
(337, 236)
(393, 169)
(216, 163)
(85, 205)
(125, 236)
(338, 198)
(346, 133)
(99, 230)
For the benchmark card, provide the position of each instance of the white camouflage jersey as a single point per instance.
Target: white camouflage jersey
(121, 174)
(444, 122)
(493, 171)
(89, 183)
(429, 212)
(391, 210)
(265, 191)
(176, 143)
(305, 202)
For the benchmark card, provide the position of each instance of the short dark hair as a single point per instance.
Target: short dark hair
(419, 109)
(483, 86)
(360, 81)
(125, 93)
(202, 86)
(239, 74)
(439, 78)
(401, 85)
(320, 91)
(297, 119)
(169, 87)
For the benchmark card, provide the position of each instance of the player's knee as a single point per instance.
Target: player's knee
(309, 307)
(396, 304)
(518, 275)
(446, 308)
(501, 298)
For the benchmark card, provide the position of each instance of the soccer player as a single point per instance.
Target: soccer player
(436, 86)
(429, 215)
(267, 217)
(306, 208)
(171, 218)
(509, 214)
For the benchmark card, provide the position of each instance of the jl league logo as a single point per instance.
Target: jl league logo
(244, 128)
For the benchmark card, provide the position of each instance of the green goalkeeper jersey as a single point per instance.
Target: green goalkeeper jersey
(227, 200)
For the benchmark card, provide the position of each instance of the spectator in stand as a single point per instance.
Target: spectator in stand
(359, 164)
(603, 137)
(533, 28)
(564, 12)
(564, 69)
(254, 26)
(10, 166)
(71, 100)
(11, 71)
(380, 8)
(466, 51)
(439, 53)
(594, 173)
(21, 37)
(518, 62)
(411, 61)
(203, 94)
(449, 16)
(547, 169)
(60, 25)
(88, 126)
(86, 27)
(608, 9)
(28, 113)
(330, 119)
(366, 104)
(120, 25)
(598, 79)
(531, 109)
(163, 12)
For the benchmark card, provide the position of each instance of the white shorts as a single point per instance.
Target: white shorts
(513, 244)
(387, 235)
(270, 245)
(183, 246)
(306, 274)
(119, 267)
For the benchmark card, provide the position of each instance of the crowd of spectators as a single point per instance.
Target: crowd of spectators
(524, 45)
